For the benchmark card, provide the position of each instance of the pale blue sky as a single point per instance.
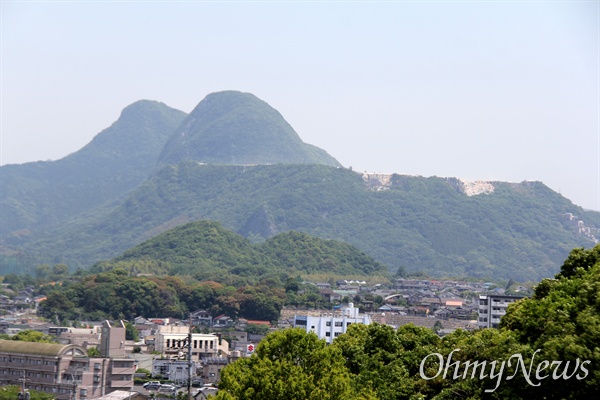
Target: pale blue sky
(491, 90)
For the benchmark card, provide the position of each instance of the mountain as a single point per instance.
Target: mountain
(238, 128)
(208, 251)
(156, 169)
(438, 225)
(41, 194)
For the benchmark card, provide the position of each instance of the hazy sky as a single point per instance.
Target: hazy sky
(490, 90)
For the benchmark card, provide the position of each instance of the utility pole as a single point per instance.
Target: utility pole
(23, 379)
(189, 385)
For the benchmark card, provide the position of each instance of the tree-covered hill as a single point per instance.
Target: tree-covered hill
(207, 251)
(203, 265)
(517, 231)
(232, 127)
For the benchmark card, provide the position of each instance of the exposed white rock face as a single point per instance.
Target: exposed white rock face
(375, 181)
(476, 187)
(379, 181)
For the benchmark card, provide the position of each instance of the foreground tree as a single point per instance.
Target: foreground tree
(562, 319)
(290, 364)
(376, 357)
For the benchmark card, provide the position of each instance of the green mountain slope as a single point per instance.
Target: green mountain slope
(235, 160)
(41, 194)
(238, 128)
(517, 231)
(207, 251)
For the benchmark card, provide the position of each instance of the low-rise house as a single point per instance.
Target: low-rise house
(329, 295)
(12, 328)
(442, 313)
(173, 370)
(453, 303)
(211, 369)
(205, 391)
(222, 321)
(141, 321)
(430, 303)
(202, 317)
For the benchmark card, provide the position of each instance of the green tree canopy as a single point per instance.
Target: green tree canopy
(33, 336)
(290, 364)
(563, 321)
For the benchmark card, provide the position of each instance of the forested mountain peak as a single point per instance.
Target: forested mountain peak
(232, 127)
(115, 161)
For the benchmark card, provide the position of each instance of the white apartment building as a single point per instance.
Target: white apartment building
(330, 326)
(492, 308)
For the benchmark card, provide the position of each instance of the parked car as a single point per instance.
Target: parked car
(167, 389)
(152, 385)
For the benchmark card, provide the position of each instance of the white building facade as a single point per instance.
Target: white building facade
(492, 308)
(330, 326)
(173, 341)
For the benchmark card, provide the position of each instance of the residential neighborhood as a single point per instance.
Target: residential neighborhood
(196, 349)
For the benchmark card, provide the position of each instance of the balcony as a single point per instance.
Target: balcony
(122, 370)
(121, 384)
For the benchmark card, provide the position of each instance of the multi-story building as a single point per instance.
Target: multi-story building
(172, 341)
(492, 308)
(330, 326)
(65, 370)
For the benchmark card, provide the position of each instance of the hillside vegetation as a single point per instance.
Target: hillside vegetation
(207, 251)
(203, 265)
(235, 160)
(517, 232)
(238, 128)
(42, 194)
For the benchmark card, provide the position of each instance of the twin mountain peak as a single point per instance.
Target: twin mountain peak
(156, 167)
(230, 127)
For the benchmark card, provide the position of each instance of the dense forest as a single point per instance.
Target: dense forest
(518, 231)
(200, 265)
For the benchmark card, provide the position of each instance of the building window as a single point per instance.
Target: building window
(338, 323)
(328, 323)
(328, 334)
